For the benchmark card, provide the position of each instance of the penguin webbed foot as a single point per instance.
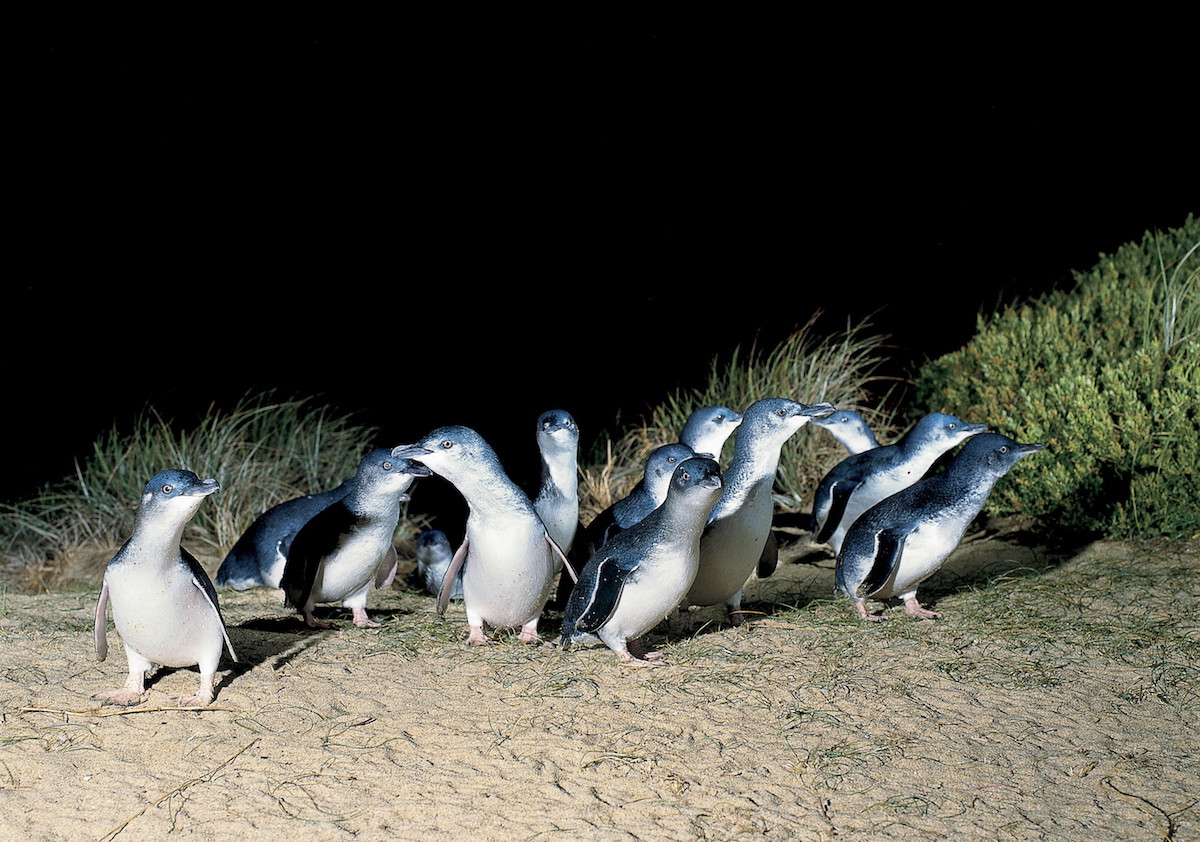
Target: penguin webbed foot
(123, 698)
(633, 655)
(313, 623)
(916, 609)
(860, 605)
(476, 637)
(363, 620)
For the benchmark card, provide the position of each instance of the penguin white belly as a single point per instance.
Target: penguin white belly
(651, 593)
(925, 549)
(509, 571)
(167, 620)
(352, 572)
(729, 551)
(877, 487)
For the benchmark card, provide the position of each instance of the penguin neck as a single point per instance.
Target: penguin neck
(920, 457)
(560, 473)
(748, 477)
(498, 496)
(157, 538)
(372, 507)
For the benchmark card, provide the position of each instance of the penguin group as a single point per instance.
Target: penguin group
(692, 533)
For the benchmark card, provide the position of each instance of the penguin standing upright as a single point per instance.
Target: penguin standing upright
(164, 605)
(740, 524)
(509, 561)
(637, 578)
(346, 549)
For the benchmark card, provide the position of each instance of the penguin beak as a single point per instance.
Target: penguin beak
(410, 451)
(205, 488)
(816, 409)
(1026, 449)
(974, 428)
(416, 469)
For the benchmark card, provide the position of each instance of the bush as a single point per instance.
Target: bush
(1106, 375)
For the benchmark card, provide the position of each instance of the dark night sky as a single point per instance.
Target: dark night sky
(435, 220)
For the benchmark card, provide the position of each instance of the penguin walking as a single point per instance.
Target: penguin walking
(860, 481)
(257, 558)
(557, 499)
(346, 549)
(434, 554)
(164, 606)
(638, 577)
(850, 430)
(905, 538)
(509, 561)
(740, 524)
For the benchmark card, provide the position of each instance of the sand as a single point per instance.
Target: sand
(1057, 698)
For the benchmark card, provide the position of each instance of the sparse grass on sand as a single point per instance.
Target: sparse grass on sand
(1058, 698)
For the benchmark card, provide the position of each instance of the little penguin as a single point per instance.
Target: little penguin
(860, 481)
(164, 606)
(638, 577)
(850, 429)
(346, 549)
(740, 524)
(904, 539)
(257, 558)
(645, 497)
(509, 560)
(433, 560)
(707, 428)
(557, 500)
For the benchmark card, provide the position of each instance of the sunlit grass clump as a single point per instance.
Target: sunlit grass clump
(262, 451)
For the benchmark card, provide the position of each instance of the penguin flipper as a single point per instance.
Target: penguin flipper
(101, 631)
(385, 574)
(769, 560)
(840, 495)
(562, 557)
(605, 593)
(224, 633)
(889, 546)
(316, 539)
(456, 563)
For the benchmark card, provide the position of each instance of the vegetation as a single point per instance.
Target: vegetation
(264, 451)
(1107, 375)
(806, 366)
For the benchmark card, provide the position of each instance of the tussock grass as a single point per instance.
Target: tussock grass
(807, 366)
(263, 451)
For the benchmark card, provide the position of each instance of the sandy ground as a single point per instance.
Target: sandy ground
(1058, 698)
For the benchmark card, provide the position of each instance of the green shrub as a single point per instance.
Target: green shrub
(1106, 375)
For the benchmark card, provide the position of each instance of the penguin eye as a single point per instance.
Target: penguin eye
(447, 444)
(951, 426)
(685, 475)
(672, 460)
(387, 465)
(168, 488)
(1004, 448)
(781, 413)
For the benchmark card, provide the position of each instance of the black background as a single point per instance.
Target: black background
(465, 217)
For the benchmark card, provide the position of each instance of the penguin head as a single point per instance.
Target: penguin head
(781, 414)
(698, 472)
(994, 453)
(385, 473)
(707, 428)
(556, 429)
(942, 430)
(176, 490)
(451, 452)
